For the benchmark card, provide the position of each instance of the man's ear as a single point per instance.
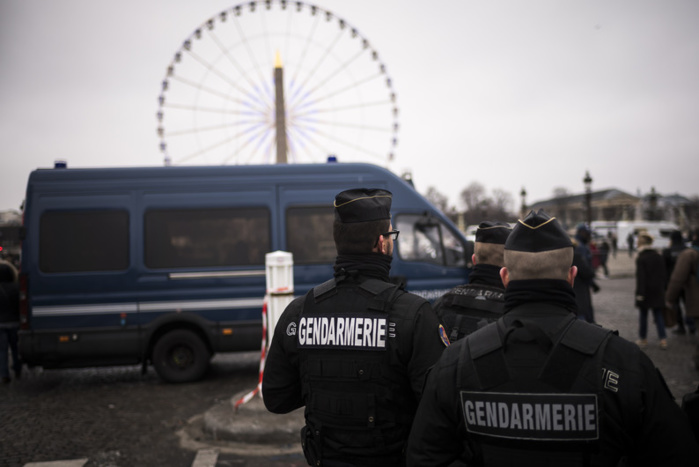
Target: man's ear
(505, 276)
(381, 245)
(572, 272)
(473, 259)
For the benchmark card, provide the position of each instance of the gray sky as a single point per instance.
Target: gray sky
(508, 93)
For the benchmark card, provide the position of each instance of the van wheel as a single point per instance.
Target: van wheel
(180, 356)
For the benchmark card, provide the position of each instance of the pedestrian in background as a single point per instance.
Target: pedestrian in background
(468, 307)
(541, 388)
(585, 281)
(355, 350)
(604, 257)
(650, 289)
(684, 280)
(629, 242)
(613, 242)
(670, 256)
(9, 321)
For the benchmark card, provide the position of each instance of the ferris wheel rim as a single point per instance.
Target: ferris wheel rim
(236, 11)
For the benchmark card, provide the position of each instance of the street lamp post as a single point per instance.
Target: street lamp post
(588, 197)
(523, 209)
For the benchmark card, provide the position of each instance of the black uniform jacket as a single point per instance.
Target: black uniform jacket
(640, 419)
(411, 344)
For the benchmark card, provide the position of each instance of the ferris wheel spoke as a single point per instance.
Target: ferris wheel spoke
(216, 93)
(203, 129)
(320, 61)
(328, 123)
(214, 146)
(360, 105)
(253, 59)
(342, 90)
(194, 108)
(346, 143)
(335, 73)
(305, 49)
(227, 53)
(210, 67)
(303, 140)
(258, 135)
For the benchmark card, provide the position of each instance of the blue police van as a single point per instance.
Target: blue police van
(166, 265)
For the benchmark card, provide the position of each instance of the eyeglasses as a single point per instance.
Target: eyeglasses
(392, 233)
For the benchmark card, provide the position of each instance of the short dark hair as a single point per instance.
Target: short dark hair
(489, 253)
(552, 264)
(358, 238)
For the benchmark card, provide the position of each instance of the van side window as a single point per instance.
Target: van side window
(309, 234)
(192, 238)
(84, 241)
(426, 239)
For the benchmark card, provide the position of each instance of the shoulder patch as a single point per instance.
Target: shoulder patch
(443, 336)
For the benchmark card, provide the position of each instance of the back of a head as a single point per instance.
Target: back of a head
(489, 247)
(7, 272)
(583, 233)
(361, 215)
(676, 238)
(644, 239)
(538, 248)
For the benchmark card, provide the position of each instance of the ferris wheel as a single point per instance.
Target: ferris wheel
(276, 81)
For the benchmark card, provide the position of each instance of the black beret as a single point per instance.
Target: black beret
(363, 205)
(538, 232)
(493, 232)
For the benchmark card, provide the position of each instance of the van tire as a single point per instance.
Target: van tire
(181, 356)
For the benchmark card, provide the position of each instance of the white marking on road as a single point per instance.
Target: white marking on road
(205, 458)
(70, 463)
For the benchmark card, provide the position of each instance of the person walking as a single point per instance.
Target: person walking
(468, 307)
(684, 281)
(585, 282)
(604, 257)
(542, 388)
(670, 255)
(354, 350)
(650, 289)
(9, 321)
(630, 242)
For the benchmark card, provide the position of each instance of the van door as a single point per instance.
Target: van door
(204, 257)
(79, 262)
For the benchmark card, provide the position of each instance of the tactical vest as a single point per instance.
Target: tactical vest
(358, 405)
(468, 308)
(540, 411)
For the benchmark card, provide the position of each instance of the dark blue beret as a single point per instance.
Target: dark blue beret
(363, 205)
(493, 232)
(538, 232)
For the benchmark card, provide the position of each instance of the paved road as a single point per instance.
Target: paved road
(116, 417)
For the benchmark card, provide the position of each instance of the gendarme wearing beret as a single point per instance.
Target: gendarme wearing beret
(538, 232)
(493, 232)
(363, 205)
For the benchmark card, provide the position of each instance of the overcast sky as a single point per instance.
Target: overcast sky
(507, 93)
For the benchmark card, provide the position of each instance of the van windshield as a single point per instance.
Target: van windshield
(428, 240)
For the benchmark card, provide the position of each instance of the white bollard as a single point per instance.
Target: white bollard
(279, 270)
(279, 267)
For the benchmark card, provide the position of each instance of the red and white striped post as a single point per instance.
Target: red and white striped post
(279, 267)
